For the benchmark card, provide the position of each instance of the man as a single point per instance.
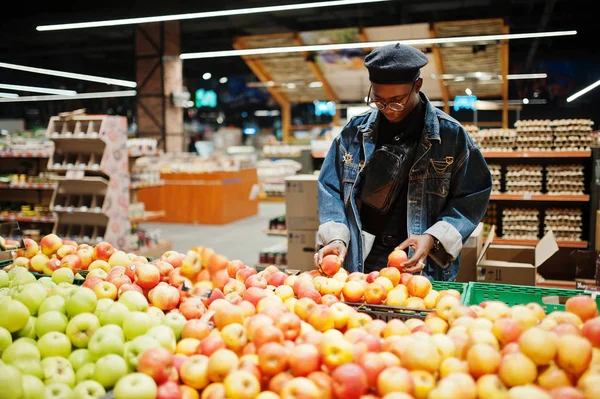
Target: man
(428, 200)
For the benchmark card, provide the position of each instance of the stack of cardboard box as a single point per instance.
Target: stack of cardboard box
(302, 220)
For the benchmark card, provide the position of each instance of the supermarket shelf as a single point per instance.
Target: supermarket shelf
(137, 185)
(276, 232)
(570, 285)
(133, 154)
(149, 215)
(33, 186)
(267, 198)
(542, 197)
(318, 155)
(536, 154)
(24, 154)
(561, 244)
(155, 251)
(16, 218)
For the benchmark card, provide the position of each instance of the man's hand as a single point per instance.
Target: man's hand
(336, 247)
(421, 246)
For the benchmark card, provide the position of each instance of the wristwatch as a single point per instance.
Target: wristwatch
(436, 245)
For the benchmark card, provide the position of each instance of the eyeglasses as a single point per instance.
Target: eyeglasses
(394, 105)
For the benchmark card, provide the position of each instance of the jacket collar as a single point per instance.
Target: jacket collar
(432, 126)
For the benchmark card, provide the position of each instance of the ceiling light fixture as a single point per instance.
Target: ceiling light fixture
(468, 91)
(8, 95)
(525, 100)
(206, 14)
(517, 76)
(34, 89)
(83, 96)
(315, 84)
(223, 80)
(345, 46)
(70, 75)
(207, 76)
(583, 91)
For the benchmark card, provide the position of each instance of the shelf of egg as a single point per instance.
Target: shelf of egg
(535, 135)
(495, 139)
(572, 134)
(566, 224)
(496, 171)
(520, 223)
(524, 179)
(491, 217)
(473, 131)
(565, 180)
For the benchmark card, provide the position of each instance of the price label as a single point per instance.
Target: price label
(75, 174)
(527, 196)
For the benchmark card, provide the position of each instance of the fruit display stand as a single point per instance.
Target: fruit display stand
(91, 201)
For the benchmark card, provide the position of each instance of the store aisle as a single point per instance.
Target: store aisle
(239, 240)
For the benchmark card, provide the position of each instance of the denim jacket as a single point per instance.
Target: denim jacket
(448, 190)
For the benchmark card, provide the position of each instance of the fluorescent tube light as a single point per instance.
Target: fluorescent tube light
(34, 89)
(83, 96)
(315, 84)
(207, 14)
(69, 75)
(8, 95)
(344, 46)
(517, 76)
(582, 92)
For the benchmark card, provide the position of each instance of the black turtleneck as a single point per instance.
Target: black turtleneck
(394, 223)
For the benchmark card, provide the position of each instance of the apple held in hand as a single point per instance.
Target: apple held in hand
(331, 264)
(396, 258)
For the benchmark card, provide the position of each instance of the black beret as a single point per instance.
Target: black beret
(394, 64)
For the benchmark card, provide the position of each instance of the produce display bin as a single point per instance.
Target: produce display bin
(551, 299)
(386, 313)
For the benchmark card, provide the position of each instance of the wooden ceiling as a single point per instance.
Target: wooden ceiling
(341, 75)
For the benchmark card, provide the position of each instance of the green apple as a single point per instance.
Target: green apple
(4, 293)
(80, 300)
(109, 369)
(114, 314)
(29, 366)
(52, 320)
(136, 324)
(135, 301)
(15, 271)
(5, 338)
(165, 336)
(33, 387)
(22, 279)
(30, 295)
(86, 372)
(63, 289)
(59, 391)
(54, 343)
(25, 339)
(80, 357)
(104, 343)
(102, 305)
(58, 369)
(135, 348)
(29, 329)
(89, 390)
(52, 302)
(4, 281)
(81, 328)
(136, 386)
(21, 349)
(15, 315)
(11, 382)
(47, 282)
(113, 329)
(156, 314)
(63, 275)
(176, 321)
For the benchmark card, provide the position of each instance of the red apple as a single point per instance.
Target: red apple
(210, 344)
(31, 248)
(276, 279)
(103, 251)
(373, 364)
(244, 273)
(233, 266)
(375, 293)
(256, 280)
(583, 306)
(71, 261)
(173, 257)
(164, 296)
(591, 331)
(196, 328)
(272, 358)
(267, 334)
(405, 277)
(331, 264)
(157, 363)
(214, 295)
(372, 276)
(91, 282)
(50, 243)
(396, 258)
(254, 295)
(164, 268)
(117, 276)
(129, 287)
(304, 359)
(290, 325)
(349, 381)
(147, 276)
(192, 308)
(219, 278)
(169, 390)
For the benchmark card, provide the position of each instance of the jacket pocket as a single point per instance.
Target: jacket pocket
(439, 186)
(438, 176)
(349, 174)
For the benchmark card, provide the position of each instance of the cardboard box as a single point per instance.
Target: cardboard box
(301, 249)
(469, 255)
(301, 202)
(513, 264)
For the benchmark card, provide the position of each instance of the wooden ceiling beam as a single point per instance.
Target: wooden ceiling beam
(439, 66)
